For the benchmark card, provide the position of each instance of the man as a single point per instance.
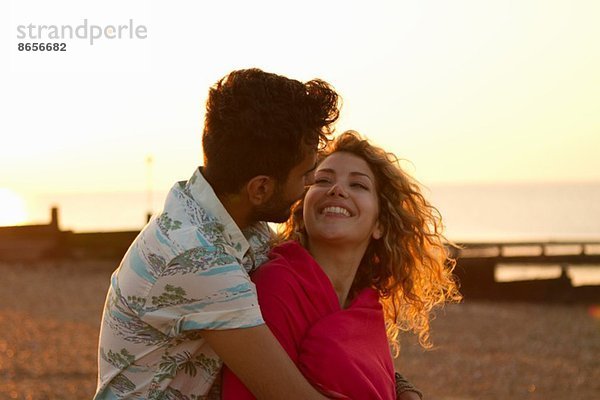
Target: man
(181, 302)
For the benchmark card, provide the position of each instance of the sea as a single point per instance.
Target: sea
(470, 212)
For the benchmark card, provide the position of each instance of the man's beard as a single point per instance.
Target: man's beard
(277, 209)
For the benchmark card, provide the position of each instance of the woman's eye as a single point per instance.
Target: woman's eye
(321, 180)
(359, 186)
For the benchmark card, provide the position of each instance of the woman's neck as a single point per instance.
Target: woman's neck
(340, 264)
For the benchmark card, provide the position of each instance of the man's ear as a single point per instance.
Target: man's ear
(260, 189)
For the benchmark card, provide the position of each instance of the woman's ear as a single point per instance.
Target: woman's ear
(377, 231)
(260, 189)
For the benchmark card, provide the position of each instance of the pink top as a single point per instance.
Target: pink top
(343, 352)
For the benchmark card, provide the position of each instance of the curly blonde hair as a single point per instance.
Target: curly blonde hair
(409, 266)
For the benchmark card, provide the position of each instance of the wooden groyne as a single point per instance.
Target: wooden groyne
(477, 264)
(48, 241)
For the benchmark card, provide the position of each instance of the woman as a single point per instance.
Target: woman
(365, 259)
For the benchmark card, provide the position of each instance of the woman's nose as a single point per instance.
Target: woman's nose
(337, 190)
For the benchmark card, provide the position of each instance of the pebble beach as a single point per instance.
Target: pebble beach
(50, 316)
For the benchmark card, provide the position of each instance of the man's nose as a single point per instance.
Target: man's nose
(309, 178)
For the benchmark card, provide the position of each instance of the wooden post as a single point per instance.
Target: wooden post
(54, 218)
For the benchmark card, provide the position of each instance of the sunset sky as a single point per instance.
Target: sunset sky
(468, 91)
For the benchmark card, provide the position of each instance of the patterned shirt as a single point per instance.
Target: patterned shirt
(186, 271)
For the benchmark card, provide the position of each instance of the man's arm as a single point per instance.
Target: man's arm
(259, 361)
(408, 395)
(405, 390)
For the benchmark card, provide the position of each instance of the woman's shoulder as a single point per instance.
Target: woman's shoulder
(291, 251)
(289, 265)
(286, 258)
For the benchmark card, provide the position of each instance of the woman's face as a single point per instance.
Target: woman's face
(342, 205)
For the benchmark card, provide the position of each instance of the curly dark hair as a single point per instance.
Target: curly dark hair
(410, 265)
(260, 123)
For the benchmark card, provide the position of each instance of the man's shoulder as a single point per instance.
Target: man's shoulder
(260, 235)
(185, 224)
(175, 243)
(260, 228)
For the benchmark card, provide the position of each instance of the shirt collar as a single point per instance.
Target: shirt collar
(203, 194)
